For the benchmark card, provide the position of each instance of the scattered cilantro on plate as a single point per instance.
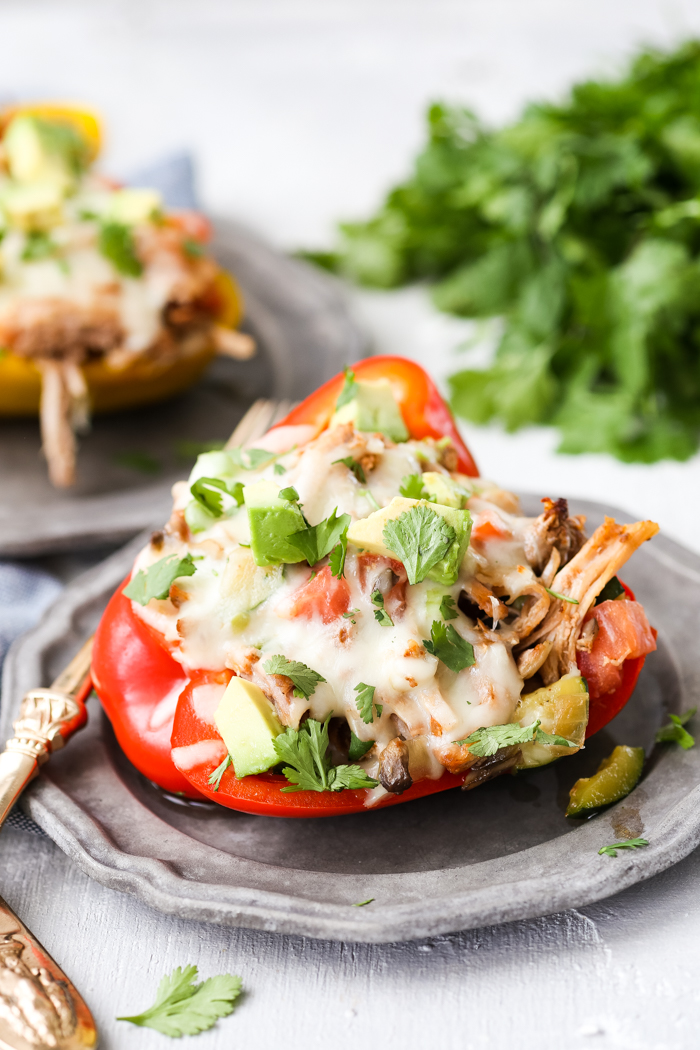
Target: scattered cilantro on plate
(449, 646)
(675, 733)
(303, 678)
(489, 740)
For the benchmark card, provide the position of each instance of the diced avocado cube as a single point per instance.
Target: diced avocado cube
(33, 206)
(131, 206)
(248, 726)
(271, 521)
(244, 585)
(616, 776)
(39, 150)
(216, 464)
(444, 490)
(368, 533)
(373, 408)
(562, 709)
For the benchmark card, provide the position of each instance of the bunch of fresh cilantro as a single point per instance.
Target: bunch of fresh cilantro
(579, 225)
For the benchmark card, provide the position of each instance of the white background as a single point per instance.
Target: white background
(301, 113)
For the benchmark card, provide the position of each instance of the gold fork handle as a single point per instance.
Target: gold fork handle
(47, 719)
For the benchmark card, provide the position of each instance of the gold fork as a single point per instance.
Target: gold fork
(40, 1007)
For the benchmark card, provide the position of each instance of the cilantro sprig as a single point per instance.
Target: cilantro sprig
(487, 741)
(183, 1007)
(675, 733)
(337, 556)
(365, 703)
(449, 646)
(209, 493)
(611, 851)
(316, 541)
(215, 777)
(303, 678)
(158, 578)
(305, 750)
(116, 243)
(412, 487)
(448, 609)
(380, 614)
(420, 538)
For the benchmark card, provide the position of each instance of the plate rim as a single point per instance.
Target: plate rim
(545, 890)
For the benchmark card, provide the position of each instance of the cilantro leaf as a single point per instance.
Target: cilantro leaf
(675, 733)
(489, 740)
(349, 391)
(279, 469)
(361, 904)
(316, 541)
(355, 466)
(38, 246)
(208, 493)
(185, 1008)
(420, 538)
(350, 613)
(613, 589)
(290, 494)
(380, 614)
(611, 851)
(449, 646)
(194, 249)
(116, 243)
(215, 777)
(358, 747)
(251, 458)
(156, 581)
(412, 487)
(448, 610)
(304, 679)
(365, 702)
(337, 556)
(305, 750)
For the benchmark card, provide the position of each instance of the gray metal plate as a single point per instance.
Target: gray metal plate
(304, 334)
(451, 861)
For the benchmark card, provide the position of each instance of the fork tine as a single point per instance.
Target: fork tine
(254, 423)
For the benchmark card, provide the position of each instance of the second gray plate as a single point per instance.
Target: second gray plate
(304, 335)
(447, 862)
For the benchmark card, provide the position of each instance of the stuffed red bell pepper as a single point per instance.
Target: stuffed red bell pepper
(346, 616)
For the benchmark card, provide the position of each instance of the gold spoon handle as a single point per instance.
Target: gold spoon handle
(39, 1006)
(46, 720)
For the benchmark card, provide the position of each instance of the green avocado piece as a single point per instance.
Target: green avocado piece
(368, 533)
(442, 489)
(40, 150)
(616, 776)
(248, 726)
(132, 205)
(271, 521)
(36, 206)
(373, 408)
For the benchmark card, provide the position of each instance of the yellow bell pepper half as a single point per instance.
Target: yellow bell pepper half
(85, 121)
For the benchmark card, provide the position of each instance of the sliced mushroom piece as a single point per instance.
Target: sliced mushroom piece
(491, 766)
(393, 767)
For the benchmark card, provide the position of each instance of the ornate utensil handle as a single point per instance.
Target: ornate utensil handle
(47, 719)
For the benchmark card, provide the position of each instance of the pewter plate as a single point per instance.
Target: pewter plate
(304, 334)
(451, 861)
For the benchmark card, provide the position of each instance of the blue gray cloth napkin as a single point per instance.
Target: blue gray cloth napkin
(26, 591)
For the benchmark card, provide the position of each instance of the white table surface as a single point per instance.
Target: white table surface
(302, 111)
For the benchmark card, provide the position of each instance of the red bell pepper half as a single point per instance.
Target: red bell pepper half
(139, 682)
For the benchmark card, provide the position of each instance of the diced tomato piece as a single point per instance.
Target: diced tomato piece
(488, 528)
(192, 224)
(322, 596)
(623, 634)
